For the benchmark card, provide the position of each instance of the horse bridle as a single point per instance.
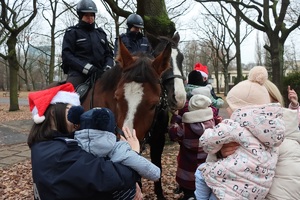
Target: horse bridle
(162, 105)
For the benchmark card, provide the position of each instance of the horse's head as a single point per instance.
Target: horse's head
(172, 79)
(138, 92)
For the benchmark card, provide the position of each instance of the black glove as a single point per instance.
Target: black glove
(93, 70)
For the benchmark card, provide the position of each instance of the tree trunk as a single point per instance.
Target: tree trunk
(157, 21)
(276, 52)
(238, 48)
(13, 82)
(13, 72)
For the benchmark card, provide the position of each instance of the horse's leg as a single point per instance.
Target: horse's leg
(157, 142)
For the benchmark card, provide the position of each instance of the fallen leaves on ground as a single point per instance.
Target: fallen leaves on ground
(6, 115)
(16, 180)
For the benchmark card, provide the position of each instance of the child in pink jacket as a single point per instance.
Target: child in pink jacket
(256, 125)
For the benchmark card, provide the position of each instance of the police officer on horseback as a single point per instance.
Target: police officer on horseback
(133, 39)
(85, 49)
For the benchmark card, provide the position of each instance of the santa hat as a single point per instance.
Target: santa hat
(40, 100)
(202, 69)
(199, 110)
(251, 91)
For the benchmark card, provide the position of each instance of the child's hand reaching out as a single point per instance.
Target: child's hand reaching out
(131, 139)
(293, 97)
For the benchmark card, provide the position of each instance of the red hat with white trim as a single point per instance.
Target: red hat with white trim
(40, 100)
(202, 69)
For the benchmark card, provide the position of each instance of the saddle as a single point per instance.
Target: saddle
(83, 88)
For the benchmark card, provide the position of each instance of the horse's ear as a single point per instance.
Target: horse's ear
(154, 41)
(176, 38)
(124, 58)
(162, 61)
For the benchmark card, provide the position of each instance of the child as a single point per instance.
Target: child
(286, 181)
(257, 126)
(96, 136)
(204, 72)
(216, 103)
(294, 104)
(186, 131)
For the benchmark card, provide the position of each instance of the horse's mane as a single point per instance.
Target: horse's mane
(140, 71)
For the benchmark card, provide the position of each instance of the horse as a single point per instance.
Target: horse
(131, 89)
(174, 98)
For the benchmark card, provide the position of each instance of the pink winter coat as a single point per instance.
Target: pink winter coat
(248, 173)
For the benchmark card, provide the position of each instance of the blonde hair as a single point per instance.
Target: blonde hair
(274, 92)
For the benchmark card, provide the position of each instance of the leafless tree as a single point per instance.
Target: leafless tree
(226, 16)
(259, 55)
(51, 11)
(15, 17)
(275, 18)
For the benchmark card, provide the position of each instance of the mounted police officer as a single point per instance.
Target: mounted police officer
(133, 39)
(85, 49)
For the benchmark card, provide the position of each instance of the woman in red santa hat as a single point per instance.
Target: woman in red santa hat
(60, 168)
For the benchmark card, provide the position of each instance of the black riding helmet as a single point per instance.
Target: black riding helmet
(135, 20)
(86, 6)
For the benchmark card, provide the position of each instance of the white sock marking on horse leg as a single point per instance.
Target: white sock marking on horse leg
(180, 93)
(133, 94)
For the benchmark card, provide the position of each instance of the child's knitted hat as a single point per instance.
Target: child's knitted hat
(199, 110)
(97, 118)
(40, 100)
(251, 91)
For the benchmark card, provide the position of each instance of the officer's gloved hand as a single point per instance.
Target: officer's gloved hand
(89, 69)
(93, 70)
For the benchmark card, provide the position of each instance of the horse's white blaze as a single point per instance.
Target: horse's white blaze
(180, 93)
(133, 94)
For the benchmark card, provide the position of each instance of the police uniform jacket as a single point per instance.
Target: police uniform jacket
(82, 45)
(134, 42)
(62, 170)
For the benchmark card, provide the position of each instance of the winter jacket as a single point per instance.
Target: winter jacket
(134, 42)
(103, 143)
(248, 173)
(286, 182)
(83, 46)
(62, 170)
(298, 109)
(190, 156)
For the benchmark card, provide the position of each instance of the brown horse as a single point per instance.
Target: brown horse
(131, 89)
(173, 99)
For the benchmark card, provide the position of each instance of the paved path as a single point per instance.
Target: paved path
(13, 146)
(13, 138)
